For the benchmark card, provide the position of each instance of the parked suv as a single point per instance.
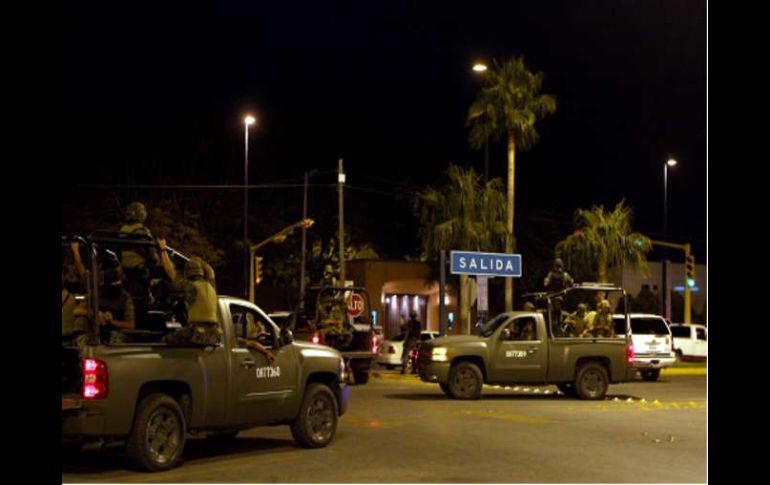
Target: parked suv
(690, 341)
(652, 341)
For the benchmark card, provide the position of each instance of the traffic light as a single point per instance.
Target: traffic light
(689, 269)
(257, 270)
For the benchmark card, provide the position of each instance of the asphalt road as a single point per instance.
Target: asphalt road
(400, 430)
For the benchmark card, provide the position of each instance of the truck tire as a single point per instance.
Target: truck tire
(316, 423)
(591, 381)
(445, 388)
(361, 376)
(157, 438)
(465, 381)
(567, 388)
(650, 374)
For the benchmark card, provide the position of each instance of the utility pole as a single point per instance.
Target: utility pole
(340, 187)
(304, 245)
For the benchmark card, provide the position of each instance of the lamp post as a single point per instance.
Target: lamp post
(248, 120)
(666, 300)
(481, 68)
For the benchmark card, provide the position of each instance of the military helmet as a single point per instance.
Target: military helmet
(603, 305)
(193, 268)
(558, 263)
(582, 306)
(529, 307)
(136, 212)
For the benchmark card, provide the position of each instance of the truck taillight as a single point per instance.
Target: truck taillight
(630, 354)
(374, 344)
(95, 379)
(316, 338)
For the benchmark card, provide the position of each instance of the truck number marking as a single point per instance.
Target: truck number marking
(267, 372)
(516, 353)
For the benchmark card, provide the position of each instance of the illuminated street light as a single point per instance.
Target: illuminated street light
(248, 120)
(479, 67)
(666, 300)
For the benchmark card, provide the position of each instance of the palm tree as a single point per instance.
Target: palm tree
(509, 104)
(605, 239)
(464, 214)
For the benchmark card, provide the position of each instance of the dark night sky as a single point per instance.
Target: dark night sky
(386, 86)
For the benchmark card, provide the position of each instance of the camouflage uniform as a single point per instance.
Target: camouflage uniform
(201, 300)
(557, 279)
(134, 263)
(602, 325)
(115, 299)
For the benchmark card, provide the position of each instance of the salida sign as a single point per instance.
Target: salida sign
(355, 305)
(487, 264)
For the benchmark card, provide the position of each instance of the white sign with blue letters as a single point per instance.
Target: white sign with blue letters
(488, 264)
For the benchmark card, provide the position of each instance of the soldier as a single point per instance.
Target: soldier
(557, 279)
(137, 268)
(116, 307)
(601, 323)
(576, 322)
(413, 329)
(528, 332)
(198, 287)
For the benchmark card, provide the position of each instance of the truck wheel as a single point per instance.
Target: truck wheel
(445, 388)
(465, 381)
(317, 420)
(650, 374)
(591, 381)
(567, 388)
(157, 438)
(361, 376)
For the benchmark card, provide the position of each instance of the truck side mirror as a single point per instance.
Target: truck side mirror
(505, 334)
(286, 336)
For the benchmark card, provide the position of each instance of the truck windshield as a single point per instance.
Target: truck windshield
(489, 328)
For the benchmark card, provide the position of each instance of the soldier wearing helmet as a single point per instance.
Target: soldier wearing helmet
(600, 323)
(557, 279)
(138, 265)
(198, 286)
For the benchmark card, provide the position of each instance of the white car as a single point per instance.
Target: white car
(690, 341)
(390, 350)
(652, 341)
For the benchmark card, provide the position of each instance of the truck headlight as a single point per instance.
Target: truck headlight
(439, 354)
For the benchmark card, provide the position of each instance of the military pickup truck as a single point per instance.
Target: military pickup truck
(340, 317)
(150, 394)
(532, 347)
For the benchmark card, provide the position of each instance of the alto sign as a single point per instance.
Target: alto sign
(355, 305)
(486, 264)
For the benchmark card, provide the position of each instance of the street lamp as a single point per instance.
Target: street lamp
(248, 120)
(480, 68)
(666, 300)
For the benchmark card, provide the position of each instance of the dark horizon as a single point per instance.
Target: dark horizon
(386, 87)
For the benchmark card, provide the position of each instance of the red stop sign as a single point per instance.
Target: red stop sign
(355, 305)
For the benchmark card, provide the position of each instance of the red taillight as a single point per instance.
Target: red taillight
(391, 350)
(374, 345)
(95, 379)
(630, 354)
(316, 338)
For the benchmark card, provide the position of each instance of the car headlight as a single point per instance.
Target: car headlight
(439, 354)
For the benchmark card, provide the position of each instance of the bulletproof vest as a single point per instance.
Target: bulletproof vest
(556, 282)
(129, 258)
(204, 307)
(113, 302)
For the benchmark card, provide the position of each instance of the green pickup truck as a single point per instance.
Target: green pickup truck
(151, 394)
(533, 347)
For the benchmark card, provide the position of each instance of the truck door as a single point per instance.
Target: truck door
(521, 356)
(262, 392)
